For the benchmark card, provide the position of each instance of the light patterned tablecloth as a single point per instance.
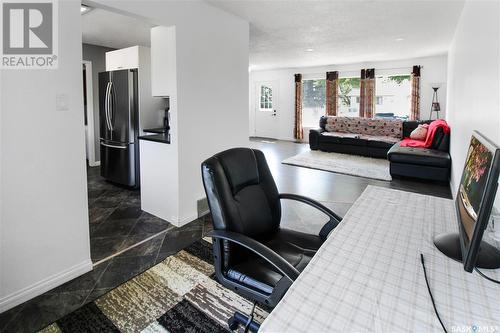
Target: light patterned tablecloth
(367, 277)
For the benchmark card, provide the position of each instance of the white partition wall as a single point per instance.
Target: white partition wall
(163, 61)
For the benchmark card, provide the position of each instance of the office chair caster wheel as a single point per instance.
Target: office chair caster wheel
(233, 324)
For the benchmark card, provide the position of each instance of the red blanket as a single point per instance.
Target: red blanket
(431, 131)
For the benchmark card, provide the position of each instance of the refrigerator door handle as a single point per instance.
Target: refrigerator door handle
(113, 146)
(112, 103)
(106, 105)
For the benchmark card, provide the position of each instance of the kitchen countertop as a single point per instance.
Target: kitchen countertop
(158, 130)
(161, 138)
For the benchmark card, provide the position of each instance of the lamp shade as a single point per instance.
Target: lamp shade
(436, 106)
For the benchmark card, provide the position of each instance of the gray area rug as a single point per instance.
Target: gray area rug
(367, 167)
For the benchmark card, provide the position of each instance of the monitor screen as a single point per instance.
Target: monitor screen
(472, 187)
(474, 202)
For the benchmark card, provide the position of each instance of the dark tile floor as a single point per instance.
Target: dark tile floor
(54, 304)
(117, 225)
(116, 219)
(334, 190)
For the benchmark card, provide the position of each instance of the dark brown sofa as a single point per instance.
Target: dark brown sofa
(380, 138)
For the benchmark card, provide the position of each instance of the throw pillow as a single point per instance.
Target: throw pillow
(419, 133)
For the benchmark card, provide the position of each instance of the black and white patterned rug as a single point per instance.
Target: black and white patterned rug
(180, 294)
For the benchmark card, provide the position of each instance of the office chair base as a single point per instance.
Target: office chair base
(241, 319)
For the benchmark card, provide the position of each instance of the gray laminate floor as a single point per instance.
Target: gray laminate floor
(336, 191)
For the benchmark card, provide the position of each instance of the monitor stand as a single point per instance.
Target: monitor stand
(449, 244)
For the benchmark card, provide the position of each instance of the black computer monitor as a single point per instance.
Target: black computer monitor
(474, 202)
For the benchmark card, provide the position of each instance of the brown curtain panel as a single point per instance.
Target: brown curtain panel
(362, 95)
(298, 131)
(367, 93)
(332, 88)
(415, 94)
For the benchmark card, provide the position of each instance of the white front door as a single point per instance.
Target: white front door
(266, 109)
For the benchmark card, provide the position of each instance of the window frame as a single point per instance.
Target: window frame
(388, 73)
(311, 77)
(355, 98)
(384, 72)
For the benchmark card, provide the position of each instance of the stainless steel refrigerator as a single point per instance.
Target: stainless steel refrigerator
(119, 127)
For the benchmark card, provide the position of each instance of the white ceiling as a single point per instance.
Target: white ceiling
(343, 31)
(339, 32)
(105, 28)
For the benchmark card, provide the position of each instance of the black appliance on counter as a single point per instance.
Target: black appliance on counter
(119, 127)
(166, 121)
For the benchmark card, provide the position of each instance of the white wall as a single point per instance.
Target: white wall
(473, 76)
(433, 71)
(210, 110)
(44, 222)
(212, 92)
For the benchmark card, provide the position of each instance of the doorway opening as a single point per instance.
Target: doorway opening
(114, 78)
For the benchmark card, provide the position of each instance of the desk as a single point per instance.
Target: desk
(367, 277)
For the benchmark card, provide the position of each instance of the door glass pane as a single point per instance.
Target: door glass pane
(266, 98)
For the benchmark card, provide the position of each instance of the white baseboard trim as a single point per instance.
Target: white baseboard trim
(44, 285)
(185, 220)
(178, 221)
(282, 139)
(203, 213)
(94, 164)
(452, 187)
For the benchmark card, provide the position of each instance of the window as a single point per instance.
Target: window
(266, 98)
(313, 101)
(348, 97)
(393, 96)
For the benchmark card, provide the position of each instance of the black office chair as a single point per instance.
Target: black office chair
(252, 255)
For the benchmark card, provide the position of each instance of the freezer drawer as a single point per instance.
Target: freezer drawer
(118, 163)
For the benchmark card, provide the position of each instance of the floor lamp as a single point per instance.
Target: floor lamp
(435, 107)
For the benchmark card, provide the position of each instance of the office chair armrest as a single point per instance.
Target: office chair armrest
(258, 248)
(334, 218)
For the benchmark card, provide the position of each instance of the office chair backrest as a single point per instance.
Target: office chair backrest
(242, 195)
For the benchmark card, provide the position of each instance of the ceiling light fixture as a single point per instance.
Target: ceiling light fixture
(399, 39)
(309, 50)
(85, 9)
